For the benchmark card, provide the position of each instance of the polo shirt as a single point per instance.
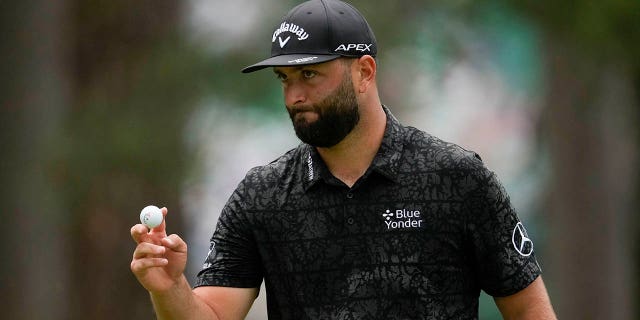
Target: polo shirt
(417, 236)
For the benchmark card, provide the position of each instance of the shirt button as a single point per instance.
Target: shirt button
(349, 195)
(350, 221)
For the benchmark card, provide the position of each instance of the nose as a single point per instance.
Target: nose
(294, 94)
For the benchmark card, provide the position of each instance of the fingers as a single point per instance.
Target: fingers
(146, 249)
(163, 225)
(140, 232)
(175, 243)
(139, 265)
(148, 255)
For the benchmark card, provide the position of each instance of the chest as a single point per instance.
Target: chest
(342, 227)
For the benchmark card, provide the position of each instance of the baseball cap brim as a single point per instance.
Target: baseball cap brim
(291, 60)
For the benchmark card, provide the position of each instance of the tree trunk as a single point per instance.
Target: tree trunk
(590, 125)
(34, 98)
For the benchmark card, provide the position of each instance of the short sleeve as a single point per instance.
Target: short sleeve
(503, 251)
(233, 259)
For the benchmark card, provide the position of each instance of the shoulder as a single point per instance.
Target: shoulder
(277, 170)
(437, 154)
(264, 181)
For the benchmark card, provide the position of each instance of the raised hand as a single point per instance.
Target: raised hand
(158, 260)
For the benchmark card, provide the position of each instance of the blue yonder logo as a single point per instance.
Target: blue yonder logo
(402, 219)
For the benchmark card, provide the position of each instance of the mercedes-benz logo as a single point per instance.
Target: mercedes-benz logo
(521, 241)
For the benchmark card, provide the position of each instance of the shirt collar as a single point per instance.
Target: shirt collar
(386, 161)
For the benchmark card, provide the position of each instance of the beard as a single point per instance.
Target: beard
(337, 116)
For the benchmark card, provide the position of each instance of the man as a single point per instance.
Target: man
(366, 219)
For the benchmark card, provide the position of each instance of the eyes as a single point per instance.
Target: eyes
(308, 74)
(281, 76)
(305, 74)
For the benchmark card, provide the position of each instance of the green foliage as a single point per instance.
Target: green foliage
(133, 122)
(599, 27)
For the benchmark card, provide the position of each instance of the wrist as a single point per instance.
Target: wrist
(176, 288)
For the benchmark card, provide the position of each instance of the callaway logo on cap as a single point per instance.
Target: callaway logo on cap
(318, 31)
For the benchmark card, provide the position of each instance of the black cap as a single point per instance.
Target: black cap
(318, 31)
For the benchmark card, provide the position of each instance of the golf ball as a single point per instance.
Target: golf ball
(151, 216)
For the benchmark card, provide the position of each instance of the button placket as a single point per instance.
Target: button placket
(350, 220)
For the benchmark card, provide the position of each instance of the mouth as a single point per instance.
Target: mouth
(300, 109)
(303, 113)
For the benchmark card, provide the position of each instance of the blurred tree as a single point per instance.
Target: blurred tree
(94, 102)
(591, 129)
(133, 85)
(34, 96)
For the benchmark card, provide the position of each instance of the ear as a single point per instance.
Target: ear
(366, 73)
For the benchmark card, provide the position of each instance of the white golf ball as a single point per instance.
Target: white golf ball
(151, 216)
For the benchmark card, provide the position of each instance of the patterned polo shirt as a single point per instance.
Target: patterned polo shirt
(417, 236)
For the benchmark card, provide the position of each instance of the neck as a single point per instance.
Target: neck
(351, 157)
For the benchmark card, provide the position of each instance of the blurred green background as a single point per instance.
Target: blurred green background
(108, 106)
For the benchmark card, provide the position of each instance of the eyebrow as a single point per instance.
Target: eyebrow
(296, 68)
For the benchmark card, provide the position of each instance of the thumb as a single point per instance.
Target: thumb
(175, 243)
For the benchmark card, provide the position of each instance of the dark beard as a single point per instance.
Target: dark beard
(337, 115)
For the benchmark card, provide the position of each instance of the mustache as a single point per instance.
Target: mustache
(300, 108)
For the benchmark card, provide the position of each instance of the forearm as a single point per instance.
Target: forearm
(535, 314)
(181, 303)
(540, 311)
(530, 303)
